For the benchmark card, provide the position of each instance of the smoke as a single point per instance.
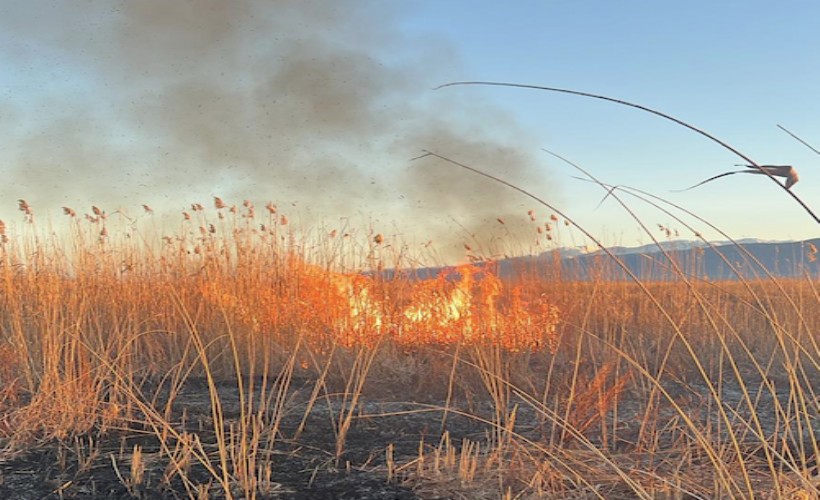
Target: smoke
(321, 103)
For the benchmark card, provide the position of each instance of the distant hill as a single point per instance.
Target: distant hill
(673, 245)
(718, 261)
(749, 259)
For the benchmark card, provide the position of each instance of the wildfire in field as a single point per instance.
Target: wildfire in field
(466, 304)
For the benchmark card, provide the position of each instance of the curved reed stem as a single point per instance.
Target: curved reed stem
(801, 141)
(648, 110)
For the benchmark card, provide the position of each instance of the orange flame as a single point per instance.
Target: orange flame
(468, 304)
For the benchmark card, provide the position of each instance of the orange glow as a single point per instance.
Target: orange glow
(468, 304)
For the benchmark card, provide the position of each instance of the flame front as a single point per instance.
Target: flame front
(468, 304)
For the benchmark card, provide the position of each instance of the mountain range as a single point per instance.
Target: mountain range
(748, 259)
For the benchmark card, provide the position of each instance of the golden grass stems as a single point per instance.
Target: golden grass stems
(579, 382)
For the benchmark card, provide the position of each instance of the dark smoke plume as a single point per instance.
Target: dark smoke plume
(322, 103)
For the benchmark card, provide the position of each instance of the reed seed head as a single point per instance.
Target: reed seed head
(24, 207)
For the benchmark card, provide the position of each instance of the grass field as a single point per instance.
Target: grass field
(237, 358)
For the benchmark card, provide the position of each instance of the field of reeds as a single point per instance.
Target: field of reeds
(235, 357)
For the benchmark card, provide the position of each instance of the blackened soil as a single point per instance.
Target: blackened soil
(303, 464)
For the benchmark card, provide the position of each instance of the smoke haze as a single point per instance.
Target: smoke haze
(318, 103)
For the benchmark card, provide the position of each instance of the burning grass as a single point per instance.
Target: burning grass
(236, 359)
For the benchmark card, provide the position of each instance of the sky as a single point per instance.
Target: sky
(321, 106)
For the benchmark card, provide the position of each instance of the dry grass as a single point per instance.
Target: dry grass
(586, 389)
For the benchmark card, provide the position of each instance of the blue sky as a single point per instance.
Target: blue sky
(319, 106)
(735, 69)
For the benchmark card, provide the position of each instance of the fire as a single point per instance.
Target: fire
(467, 304)
(447, 312)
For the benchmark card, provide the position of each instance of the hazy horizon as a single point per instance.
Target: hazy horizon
(320, 108)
